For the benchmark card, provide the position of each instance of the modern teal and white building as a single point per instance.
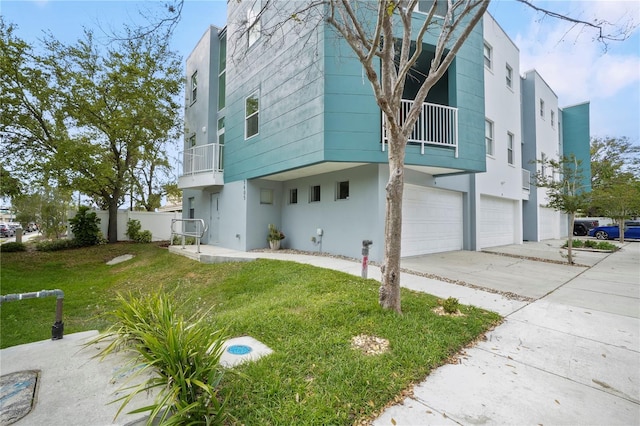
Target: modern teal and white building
(285, 129)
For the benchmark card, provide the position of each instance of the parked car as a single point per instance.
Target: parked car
(6, 231)
(581, 227)
(613, 232)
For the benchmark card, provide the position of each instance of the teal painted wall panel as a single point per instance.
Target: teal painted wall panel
(353, 121)
(577, 138)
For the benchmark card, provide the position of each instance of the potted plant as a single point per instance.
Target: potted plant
(274, 237)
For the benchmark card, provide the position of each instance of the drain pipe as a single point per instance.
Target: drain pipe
(57, 329)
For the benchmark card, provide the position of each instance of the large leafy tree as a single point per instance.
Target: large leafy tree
(611, 156)
(86, 116)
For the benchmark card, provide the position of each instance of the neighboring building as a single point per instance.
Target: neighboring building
(285, 130)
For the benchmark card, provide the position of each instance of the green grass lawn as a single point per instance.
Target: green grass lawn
(307, 315)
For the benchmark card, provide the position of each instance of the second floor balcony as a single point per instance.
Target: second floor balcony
(437, 125)
(201, 167)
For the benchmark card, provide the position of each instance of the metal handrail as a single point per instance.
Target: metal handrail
(201, 229)
(57, 329)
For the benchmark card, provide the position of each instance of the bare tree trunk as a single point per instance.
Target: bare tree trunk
(390, 284)
(112, 230)
(572, 218)
(621, 228)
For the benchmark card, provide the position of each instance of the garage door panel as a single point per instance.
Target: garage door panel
(431, 221)
(497, 221)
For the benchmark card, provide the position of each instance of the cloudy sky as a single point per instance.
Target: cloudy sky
(577, 67)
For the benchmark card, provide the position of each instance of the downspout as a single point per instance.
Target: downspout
(57, 329)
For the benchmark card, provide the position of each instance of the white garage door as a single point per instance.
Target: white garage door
(497, 221)
(549, 223)
(431, 220)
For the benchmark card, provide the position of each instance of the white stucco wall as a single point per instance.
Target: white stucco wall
(502, 106)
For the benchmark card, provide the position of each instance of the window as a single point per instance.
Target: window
(253, 21)
(424, 6)
(219, 153)
(192, 210)
(266, 196)
(552, 117)
(342, 190)
(194, 86)
(222, 75)
(191, 141)
(293, 196)
(314, 194)
(252, 108)
(509, 76)
(488, 54)
(488, 136)
(541, 108)
(510, 148)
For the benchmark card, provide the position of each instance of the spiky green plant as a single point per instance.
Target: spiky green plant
(183, 355)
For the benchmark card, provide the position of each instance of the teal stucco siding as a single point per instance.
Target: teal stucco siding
(576, 138)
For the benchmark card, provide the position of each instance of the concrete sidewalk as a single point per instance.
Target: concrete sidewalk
(570, 357)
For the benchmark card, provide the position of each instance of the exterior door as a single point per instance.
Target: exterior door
(214, 219)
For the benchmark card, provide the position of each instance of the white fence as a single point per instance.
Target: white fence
(158, 223)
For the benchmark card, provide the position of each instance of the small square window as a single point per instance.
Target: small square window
(510, 148)
(314, 194)
(293, 196)
(252, 113)
(342, 190)
(488, 136)
(266, 196)
(253, 21)
(488, 56)
(194, 86)
(192, 210)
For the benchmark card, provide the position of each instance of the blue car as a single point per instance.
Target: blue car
(613, 232)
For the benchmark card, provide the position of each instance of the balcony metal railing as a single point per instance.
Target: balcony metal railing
(526, 180)
(436, 125)
(202, 159)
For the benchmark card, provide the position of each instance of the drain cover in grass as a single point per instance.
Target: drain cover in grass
(243, 349)
(17, 392)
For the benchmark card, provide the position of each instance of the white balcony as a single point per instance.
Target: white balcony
(201, 167)
(437, 125)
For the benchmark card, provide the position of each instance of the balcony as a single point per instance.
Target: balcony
(437, 125)
(201, 167)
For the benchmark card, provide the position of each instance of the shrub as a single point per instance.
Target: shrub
(450, 305)
(12, 247)
(183, 354)
(177, 240)
(84, 226)
(56, 245)
(135, 234)
(598, 245)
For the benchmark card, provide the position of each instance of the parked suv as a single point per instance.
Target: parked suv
(581, 226)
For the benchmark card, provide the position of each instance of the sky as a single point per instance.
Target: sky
(576, 67)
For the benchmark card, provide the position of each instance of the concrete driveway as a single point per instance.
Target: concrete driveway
(508, 269)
